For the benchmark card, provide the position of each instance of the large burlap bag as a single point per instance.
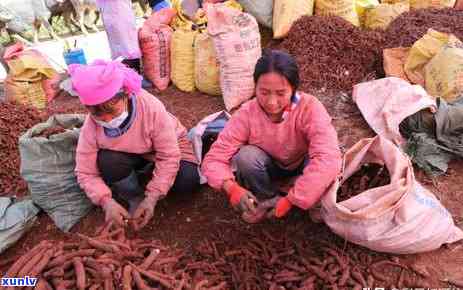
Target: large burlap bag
(444, 73)
(422, 51)
(261, 9)
(47, 165)
(394, 60)
(155, 42)
(207, 69)
(183, 59)
(27, 93)
(401, 217)
(421, 4)
(285, 13)
(342, 8)
(237, 44)
(380, 16)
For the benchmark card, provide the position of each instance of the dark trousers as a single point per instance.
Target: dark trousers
(257, 171)
(127, 174)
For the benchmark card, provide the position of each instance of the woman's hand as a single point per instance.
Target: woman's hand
(240, 197)
(144, 213)
(114, 212)
(282, 207)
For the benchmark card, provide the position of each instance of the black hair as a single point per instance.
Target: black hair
(108, 106)
(279, 62)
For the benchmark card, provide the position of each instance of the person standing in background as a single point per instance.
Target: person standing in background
(119, 22)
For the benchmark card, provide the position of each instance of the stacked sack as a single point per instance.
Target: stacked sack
(155, 40)
(219, 59)
(435, 62)
(31, 78)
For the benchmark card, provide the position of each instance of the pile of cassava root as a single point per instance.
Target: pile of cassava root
(107, 261)
(370, 175)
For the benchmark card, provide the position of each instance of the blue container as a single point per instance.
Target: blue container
(75, 56)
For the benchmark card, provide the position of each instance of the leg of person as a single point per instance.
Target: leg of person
(187, 179)
(255, 169)
(118, 171)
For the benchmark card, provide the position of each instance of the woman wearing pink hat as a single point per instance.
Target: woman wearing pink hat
(131, 151)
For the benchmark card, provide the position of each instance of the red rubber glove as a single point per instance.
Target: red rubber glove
(241, 198)
(235, 193)
(282, 207)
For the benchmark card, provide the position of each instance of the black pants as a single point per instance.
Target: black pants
(127, 174)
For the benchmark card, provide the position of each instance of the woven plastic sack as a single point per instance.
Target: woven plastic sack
(16, 218)
(182, 59)
(422, 51)
(261, 9)
(394, 60)
(237, 44)
(155, 42)
(401, 217)
(361, 6)
(47, 165)
(383, 14)
(207, 69)
(342, 8)
(28, 93)
(285, 13)
(421, 4)
(444, 73)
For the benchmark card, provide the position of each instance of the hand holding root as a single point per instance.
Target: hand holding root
(115, 213)
(144, 213)
(262, 211)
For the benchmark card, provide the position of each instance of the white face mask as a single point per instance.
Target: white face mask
(114, 123)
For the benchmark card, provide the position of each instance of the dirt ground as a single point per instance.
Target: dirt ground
(186, 221)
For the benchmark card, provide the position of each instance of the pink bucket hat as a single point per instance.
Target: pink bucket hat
(98, 82)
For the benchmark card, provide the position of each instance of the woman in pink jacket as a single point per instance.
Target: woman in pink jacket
(131, 151)
(281, 133)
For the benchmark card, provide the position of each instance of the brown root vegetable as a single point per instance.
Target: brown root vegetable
(345, 275)
(22, 261)
(93, 273)
(370, 281)
(109, 261)
(70, 246)
(104, 229)
(80, 273)
(357, 275)
(38, 268)
(342, 263)
(55, 272)
(68, 257)
(201, 284)
(66, 284)
(94, 287)
(139, 282)
(127, 278)
(221, 286)
(99, 245)
(69, 274)
(58, 129)
(155, 276)
(108, 284)
(42, 284)
(150, 259)
(30, 264)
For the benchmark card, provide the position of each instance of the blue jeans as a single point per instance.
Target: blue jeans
(256, 170)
